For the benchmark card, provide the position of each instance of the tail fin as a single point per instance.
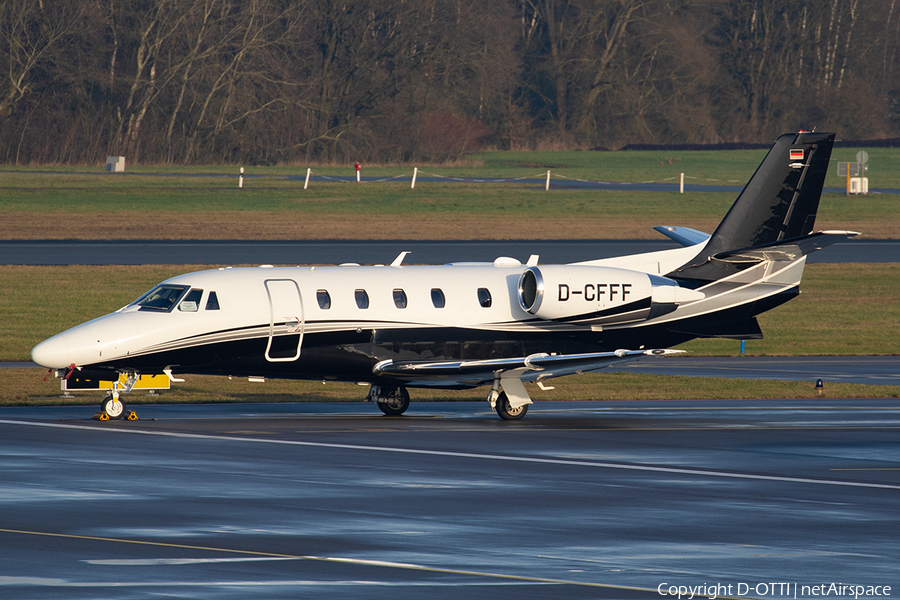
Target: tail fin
(778, 203)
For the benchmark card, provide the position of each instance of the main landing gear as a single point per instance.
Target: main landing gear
(500, 399)
(393, 401)
(507, 412)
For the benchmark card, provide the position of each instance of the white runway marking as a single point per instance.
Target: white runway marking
(63, 583)
(473, 455)
(500, 578)
(155, 562)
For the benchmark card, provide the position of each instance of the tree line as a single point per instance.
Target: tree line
(281, 81)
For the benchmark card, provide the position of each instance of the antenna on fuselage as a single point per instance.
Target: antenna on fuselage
(399, 260)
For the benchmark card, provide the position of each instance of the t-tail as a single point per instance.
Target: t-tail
(773, 217)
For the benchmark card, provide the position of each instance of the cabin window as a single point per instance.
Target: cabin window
(324, 299)
(484, 297)
(437, 298)
(362, 298)
(399, 298)
(162, 298)
(191, 302)
(212, 303)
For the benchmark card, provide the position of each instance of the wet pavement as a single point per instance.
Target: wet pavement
(578, 500)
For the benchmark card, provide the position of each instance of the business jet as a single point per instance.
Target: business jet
(465, 325)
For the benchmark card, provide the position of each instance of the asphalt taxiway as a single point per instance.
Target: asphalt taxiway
(867, 370)
(329, 252)
(559, 181)
(578, 500)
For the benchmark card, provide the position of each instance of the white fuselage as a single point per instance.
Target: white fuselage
(337, 322)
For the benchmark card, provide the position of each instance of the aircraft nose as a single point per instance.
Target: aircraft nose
(52, 353)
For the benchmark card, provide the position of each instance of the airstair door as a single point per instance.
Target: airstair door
(286, 320)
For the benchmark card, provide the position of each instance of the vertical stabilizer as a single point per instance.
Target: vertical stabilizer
(778, 203)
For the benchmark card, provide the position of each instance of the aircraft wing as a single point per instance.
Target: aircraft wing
(528, 368)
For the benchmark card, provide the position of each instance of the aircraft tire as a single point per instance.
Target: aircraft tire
(115, 410)
(395, 402)
(508, 413)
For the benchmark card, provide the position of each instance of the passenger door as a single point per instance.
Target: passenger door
(286, 321)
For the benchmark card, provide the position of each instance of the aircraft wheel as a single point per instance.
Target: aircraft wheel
(113, 407)
(394, 402)
(506, 412)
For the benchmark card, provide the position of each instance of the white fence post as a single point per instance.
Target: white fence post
(547, 185)
(306, 183)
(681, 185)
(241, 179)
(415, 172)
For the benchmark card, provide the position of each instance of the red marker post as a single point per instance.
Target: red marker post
(357, 172)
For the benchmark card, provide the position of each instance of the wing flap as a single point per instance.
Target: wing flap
(532, 367)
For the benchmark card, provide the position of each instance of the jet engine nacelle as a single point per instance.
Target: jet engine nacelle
(598, 295)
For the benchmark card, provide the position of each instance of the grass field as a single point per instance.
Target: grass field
(700, 167)
(85, 203)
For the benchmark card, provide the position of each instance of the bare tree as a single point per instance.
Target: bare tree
(29, 32)
(282, 80)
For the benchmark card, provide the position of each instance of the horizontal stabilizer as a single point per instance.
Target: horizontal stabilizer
(683, 235)
(789, 250)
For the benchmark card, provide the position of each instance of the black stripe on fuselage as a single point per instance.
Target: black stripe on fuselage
(638, 305)
(350, 355)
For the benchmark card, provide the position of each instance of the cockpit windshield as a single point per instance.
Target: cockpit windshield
(162, 298)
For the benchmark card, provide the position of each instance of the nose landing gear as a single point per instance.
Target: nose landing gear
(112, 406)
